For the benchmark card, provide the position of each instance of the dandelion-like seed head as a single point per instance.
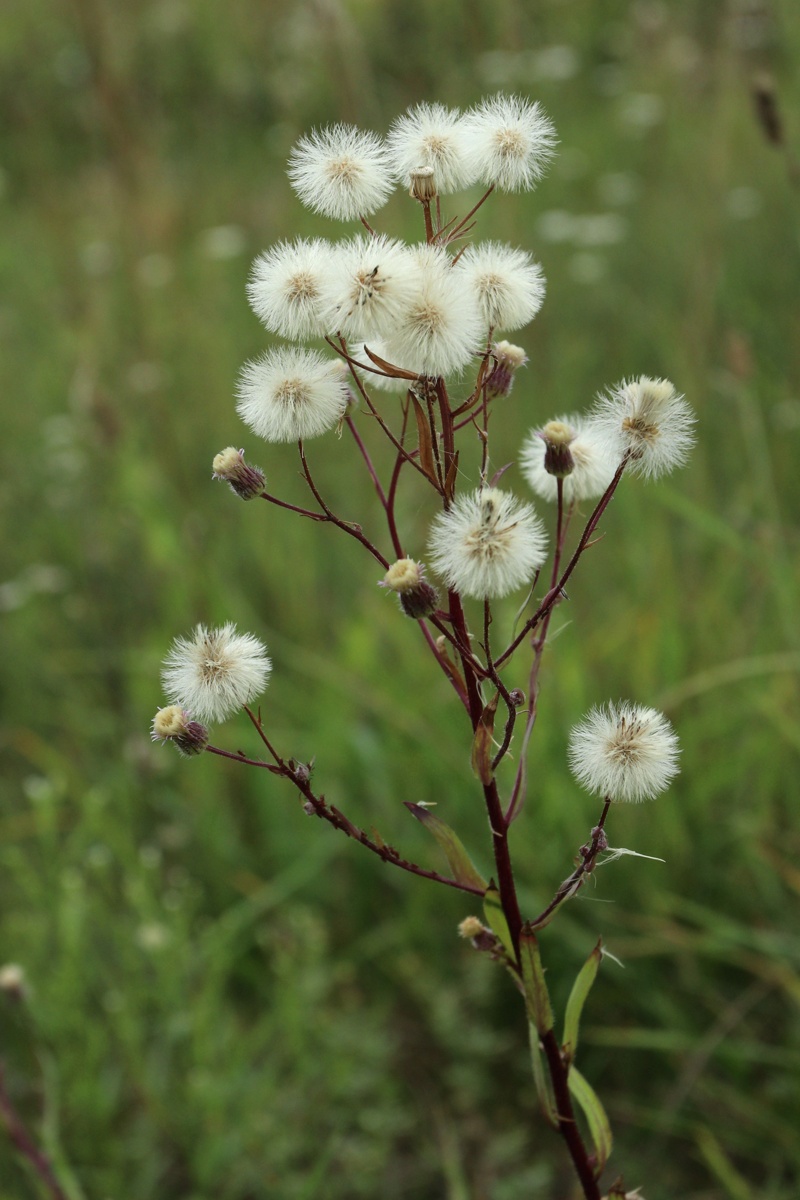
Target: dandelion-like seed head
(511, 141)
(647, 420)
(290, 394)
(624, 752)
(432, 136)
(439, 330)
(488, 544)
(370, 284)
(507, 284)
(592, 463)
(341, 172)
(212, 674)
(286, 288)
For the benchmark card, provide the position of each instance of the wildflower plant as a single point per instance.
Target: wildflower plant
(412, 344)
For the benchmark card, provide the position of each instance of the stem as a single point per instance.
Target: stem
(502, 858)
(454, 232)
(555, 592)
(567, 1125)
(22, 1140)
(589, 852)
(354, 530)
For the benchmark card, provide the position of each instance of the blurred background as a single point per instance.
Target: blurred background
(226, 999)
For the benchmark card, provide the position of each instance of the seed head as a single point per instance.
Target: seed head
(488, 544)
(624, 752)
(214, 673)
(341, 172)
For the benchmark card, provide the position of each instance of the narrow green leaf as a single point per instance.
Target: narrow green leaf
(577, 998)
(460, 862)
(541, 1079)
(537, 997)
(497, 919)
(482, 742)
(599, 1127)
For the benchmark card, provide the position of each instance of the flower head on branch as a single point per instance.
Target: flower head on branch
(589, 465)
(648, 420)
(430, 135)
(508, 285)
(488, 544)
(215, 672)
(341, 172)
(624, 752)
(290, 394)
(511, 142)
(286, 288)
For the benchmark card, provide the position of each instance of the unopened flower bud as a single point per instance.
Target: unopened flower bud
(470, 927)
(246, 481)
(423, 184)
(13, 982)
(557, 438)
(507, 361)
(517, 697)
(417, 597)
(173, 724)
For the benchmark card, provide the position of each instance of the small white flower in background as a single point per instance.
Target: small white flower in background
(624, 752)
(290, 394)
(370, 284)
(488, 544)
(285, 288)
(440, 329)
(593, 466)
(648, 419)
(341, 172)
(215, 672)
(508, 285)
(511, 142)
(430, 135)
(13, 982)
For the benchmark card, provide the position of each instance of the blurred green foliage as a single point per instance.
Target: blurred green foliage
(225, 998)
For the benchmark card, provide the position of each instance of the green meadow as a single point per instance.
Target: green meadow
(226, 998)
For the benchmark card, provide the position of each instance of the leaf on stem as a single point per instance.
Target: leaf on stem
(426, 460)
(496, 918)
(460, 862)
(390, 368)
(599, 1126)
(537, 997)
(452, 474)
(577, 998)
(482, 742)
(544, 1089)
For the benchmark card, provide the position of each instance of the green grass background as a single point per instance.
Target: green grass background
(227, 999)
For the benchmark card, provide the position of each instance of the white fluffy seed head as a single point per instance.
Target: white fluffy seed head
(290, 394)
(511, 142)
(593, 466)
(286, 288)
(215, 671)
(341, 172)
(507, 284)
(430, 135)
(647, 419)
(624, 752)
(487, 544)
(440, 328)
(370, 283)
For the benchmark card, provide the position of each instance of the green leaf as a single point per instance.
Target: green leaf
(540, 1077)
(497, 919)
(599, 1127)
(460, 862)
(537, 997)
(577, 998)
